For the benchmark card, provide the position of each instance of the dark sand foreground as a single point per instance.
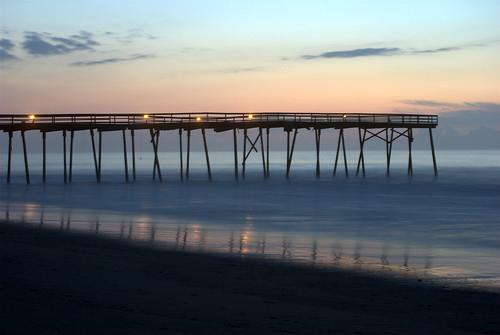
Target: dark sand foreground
(55, 283)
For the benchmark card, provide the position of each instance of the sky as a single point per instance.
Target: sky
(249, 56)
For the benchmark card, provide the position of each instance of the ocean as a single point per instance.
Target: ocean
(445, 227)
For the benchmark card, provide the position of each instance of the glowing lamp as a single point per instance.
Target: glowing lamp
(198, 119)
(145, 116)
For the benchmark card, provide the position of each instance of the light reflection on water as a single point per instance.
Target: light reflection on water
(247, 241)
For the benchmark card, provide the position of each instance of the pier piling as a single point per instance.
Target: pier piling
(25, 152)
(207, 158)
(9, 159)
(243, 167)
(389, 150)
(64, 157)
(188, 152)
(132, 135)
(410, 159)
(433, 152)
(44, 156)
(155, 138)
(262, 153)
(361, 159)
(72, 135)
(181, 168)
(125, 161)
(317, 136)
(267, 152)
(94, 154)
(235, 154)
(290, 151)
(386, 127)
(99, 178)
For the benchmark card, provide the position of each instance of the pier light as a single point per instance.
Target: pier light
(198, 118)
(345, 116)
(32, 117)
(145, 116)
(250, 116)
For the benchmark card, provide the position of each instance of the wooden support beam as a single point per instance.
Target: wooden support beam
(188, 152)
(361, 159)
(44, 156)
(317, 136)
(262, 153)
(94, 154)
(180, 156)
(132, 135)
(252, 145)
(337, 154)
(433, 153)
(235, 155)
(155, 137)
(9, 159)
(243, 168)
(377, 135)
(267, 152)
(158, 154)
(153, 142)
(345, 154)
(125, 160)
(26, 165)
(287, 150)
(72, 135)
(64, 157)
(100, 156)
(206, 153)
(341, 140)
(389, 152)
(410, 159)
(290, 153)
(363, 153)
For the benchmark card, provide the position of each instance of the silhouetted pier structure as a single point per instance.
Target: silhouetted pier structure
(385, 127)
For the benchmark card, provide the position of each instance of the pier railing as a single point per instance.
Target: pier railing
(168, 118)
(385, 127)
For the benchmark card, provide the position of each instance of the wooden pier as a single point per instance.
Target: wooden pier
(385, 127)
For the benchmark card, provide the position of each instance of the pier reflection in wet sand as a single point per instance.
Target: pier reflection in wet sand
(247, 241)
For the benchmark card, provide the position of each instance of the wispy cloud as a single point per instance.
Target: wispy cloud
(6, 46)
(484, 106)
(45, 44)
(393, 51)
(365, 52)
(242, 70)
(130, 35)
(434, 105)
(111, 60)
(427, 103)
(433, 51)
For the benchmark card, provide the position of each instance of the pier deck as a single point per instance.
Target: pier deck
(386, 127)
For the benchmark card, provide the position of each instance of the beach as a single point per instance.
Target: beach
(57, 282)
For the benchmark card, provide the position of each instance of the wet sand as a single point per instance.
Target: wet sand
(53, 282)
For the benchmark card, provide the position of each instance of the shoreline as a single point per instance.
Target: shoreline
(58, 282)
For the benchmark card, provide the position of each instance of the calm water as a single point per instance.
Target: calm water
(447, 226)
